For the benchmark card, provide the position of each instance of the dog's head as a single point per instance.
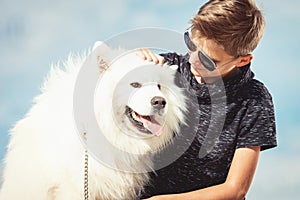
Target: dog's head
(138, 102)
(146, 108)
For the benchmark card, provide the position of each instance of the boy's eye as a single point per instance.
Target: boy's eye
(136, 85)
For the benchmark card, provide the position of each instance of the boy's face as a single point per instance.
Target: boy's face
(225, 64)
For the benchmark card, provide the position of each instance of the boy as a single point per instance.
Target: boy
(222, 36)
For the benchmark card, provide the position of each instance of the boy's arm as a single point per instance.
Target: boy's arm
(236, 185)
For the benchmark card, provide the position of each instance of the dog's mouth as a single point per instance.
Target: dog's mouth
(144, 123)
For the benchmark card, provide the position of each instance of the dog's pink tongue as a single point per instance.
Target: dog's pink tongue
(153, 126)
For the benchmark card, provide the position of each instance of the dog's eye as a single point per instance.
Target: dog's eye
(136, 85)
(159, 86)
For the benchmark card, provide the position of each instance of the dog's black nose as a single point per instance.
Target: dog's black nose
(158, 102)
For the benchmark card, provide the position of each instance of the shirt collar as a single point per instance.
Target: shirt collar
(224, 87)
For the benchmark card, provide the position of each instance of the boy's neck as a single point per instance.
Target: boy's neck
(211, 80)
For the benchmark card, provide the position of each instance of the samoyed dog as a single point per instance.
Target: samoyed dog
(138, 109)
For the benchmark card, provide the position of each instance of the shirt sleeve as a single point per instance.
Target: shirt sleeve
(258, 125)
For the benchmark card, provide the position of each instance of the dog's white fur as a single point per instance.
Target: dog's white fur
(45, 157)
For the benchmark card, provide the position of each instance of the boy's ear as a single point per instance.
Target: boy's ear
(244, 60)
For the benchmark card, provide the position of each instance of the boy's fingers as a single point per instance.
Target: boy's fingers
(157, 58)
(150, 56)
(140, 54)
(161, 60)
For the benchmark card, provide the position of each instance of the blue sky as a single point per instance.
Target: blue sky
(34, 34)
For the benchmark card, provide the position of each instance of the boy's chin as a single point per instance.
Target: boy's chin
(195, 73)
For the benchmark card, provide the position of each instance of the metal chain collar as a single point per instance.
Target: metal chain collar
(86, 172)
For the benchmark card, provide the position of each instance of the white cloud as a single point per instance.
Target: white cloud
(144, 19)
(55, 25)
(1, 172)
(277, 177)
(171, 4)
(280, 10)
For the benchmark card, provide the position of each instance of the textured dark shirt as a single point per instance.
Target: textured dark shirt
(230, 113)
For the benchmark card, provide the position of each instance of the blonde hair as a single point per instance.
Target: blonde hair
(235, 25)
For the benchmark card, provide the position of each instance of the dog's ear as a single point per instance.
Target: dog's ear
(101, 53)
(99, 44)
(173, 67)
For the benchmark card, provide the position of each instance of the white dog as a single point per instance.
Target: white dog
(137, 107)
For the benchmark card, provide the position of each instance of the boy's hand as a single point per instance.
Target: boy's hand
(150, 56)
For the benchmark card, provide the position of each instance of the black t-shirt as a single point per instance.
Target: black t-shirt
(231, 114)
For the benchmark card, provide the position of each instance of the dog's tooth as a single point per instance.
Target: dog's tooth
(134, 115)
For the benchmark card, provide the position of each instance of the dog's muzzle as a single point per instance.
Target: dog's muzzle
(147, 123)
